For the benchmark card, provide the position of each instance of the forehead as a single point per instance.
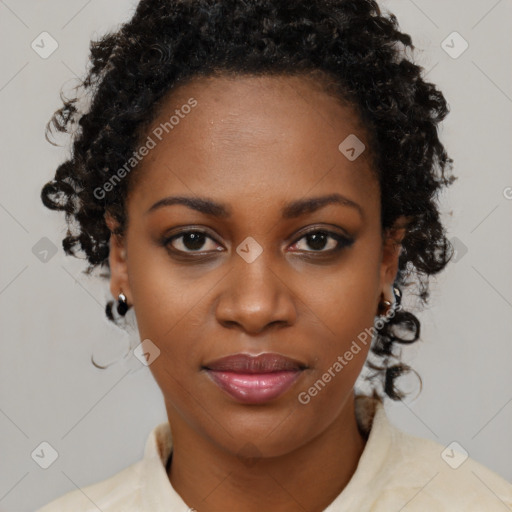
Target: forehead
(268, 135)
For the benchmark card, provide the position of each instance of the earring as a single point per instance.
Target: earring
(122, 304)
(398, 295)
(387, 305)
(384, 307)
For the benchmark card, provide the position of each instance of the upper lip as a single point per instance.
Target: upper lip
(262, 363)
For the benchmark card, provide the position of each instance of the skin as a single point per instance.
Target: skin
(255, 144)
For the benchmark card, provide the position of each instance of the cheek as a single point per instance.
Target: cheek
(346, 301)
(157, 287)
(170, 304)
(345, 309)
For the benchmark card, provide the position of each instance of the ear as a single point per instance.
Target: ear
(117, 261)
(391, 249)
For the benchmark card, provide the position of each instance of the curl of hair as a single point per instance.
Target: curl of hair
(349, 43)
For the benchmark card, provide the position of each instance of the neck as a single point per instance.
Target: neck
(210, 479)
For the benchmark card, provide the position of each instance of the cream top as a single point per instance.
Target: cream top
(396, 472)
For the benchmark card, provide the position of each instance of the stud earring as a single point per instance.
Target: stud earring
(385, 305)
(122, 304)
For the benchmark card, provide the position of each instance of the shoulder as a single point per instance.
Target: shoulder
(118, 492)
(400, 471)
(144, 485)
(428, 475)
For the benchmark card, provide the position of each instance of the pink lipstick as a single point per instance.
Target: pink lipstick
(254, 379)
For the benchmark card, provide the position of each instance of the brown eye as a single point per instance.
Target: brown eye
(189, 242)
(319, 240)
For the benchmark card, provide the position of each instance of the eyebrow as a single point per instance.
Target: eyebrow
(290, 211)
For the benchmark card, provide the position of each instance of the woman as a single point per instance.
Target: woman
(260, 178)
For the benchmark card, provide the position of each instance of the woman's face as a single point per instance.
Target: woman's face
(244, 275)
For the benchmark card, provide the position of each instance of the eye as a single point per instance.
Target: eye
(320, 239)
(195, 241)
(189, 242)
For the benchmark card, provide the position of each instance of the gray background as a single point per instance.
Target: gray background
(52, 315)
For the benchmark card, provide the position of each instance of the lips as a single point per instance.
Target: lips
(254, 379)
(263, 363)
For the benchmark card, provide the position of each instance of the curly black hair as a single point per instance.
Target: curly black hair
(351, 43)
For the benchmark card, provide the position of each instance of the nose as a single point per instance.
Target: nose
(255, 297)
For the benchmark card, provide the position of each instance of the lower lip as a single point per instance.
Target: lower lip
(254, 388)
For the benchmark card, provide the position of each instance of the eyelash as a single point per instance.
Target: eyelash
(342, 242)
